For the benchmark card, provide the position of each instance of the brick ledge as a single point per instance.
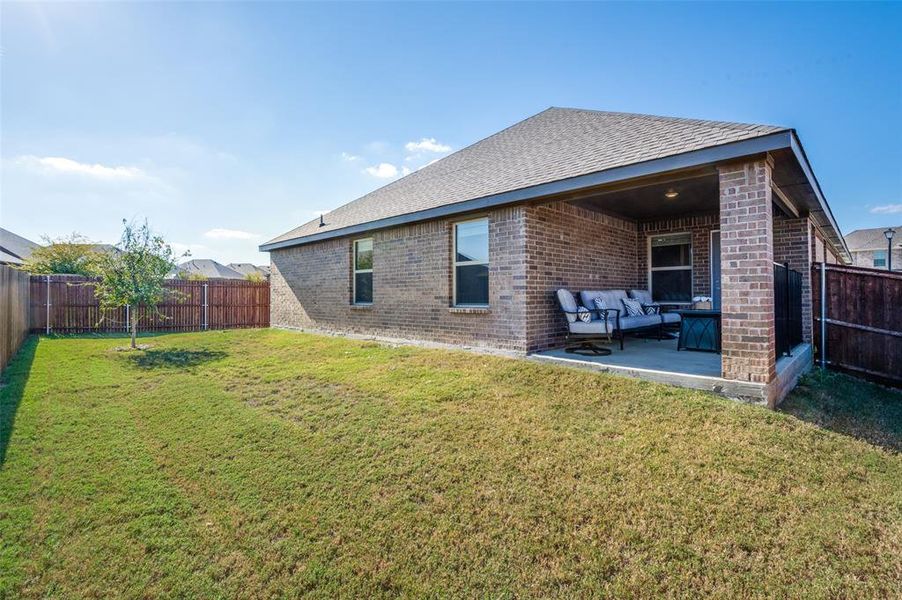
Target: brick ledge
(469, 310)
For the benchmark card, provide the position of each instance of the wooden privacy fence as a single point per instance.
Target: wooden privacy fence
(14, 292)
(66, 304)
(863, 321)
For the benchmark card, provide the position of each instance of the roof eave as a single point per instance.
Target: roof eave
(799, 152)
(712, 154)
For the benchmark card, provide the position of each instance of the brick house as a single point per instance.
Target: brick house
(870, 249)
(470, 249)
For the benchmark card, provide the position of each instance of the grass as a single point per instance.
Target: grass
(274, 464)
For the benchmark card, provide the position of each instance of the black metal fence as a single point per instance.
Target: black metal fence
(787, 308)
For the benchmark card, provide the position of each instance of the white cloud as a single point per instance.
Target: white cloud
(405, 171)
(887, 209)
(180, 249)
(61, 165)
(382, 171)
(349, 157)
(427, 145)
(230, 234)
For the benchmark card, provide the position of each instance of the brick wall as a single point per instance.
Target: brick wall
(573, 248)
(865, 258)
(792, 244)
(747, 280)
(700, 226)
(311, 286)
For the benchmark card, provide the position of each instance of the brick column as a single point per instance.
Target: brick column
(792, 244)
(747, 271)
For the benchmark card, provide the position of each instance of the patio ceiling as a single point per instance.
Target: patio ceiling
(696, 194)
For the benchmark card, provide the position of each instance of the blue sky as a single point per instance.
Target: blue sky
(226, 124)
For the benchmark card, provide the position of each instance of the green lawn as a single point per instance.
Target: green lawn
(266, 463)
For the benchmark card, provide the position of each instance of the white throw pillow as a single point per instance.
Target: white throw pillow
(633, 307)
(600, 304)
(583, 314)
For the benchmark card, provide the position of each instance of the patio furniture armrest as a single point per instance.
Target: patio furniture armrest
(603, 314)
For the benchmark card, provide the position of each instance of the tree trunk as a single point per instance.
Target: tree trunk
(134, 329)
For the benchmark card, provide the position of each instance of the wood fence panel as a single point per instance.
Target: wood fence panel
(15, 288)
(864, 321)
(73, 308)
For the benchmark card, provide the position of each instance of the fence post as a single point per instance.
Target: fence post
(823, 315)
(206, 322)
(127, 317)
(47, 329)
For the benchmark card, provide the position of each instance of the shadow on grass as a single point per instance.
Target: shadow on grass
(850, 406)
(174, 358)
(12, 387)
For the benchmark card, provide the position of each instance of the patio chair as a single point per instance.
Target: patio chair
(584, 337)
(623, 324)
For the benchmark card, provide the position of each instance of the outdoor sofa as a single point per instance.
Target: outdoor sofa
(608, 316)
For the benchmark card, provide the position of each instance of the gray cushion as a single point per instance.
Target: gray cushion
(627, 323)
(595, 327)
(568, 303)
(670, 317)
(643, 296)
(611, 299)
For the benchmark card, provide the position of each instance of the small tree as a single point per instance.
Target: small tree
(255, 277)
(71, 255)
(136, 275)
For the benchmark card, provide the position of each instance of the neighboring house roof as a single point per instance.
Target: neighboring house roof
(105, 248)
(14, 249)
(207, 268)
(554, 145)
(248, 268)
(872, 239)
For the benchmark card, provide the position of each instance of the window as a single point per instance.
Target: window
(880, 258)
(471, 263)
(670, 266)
(363, 271)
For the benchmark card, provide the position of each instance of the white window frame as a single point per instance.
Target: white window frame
(883, 257)
(455, 263)
(355, 271)
(689, 268)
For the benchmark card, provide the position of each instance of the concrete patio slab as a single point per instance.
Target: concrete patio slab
(661, 362)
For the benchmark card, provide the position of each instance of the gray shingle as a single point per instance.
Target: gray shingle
(15, 248)
(555, 144)
(871, 239)
(207, 268)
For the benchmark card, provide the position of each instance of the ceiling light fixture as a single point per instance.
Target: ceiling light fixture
(671, 194)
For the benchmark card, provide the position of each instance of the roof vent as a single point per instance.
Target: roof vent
(321, 223)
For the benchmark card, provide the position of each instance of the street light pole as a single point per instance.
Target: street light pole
(889, 233)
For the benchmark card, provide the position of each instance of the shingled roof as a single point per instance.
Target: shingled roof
(205, 267)
(869, 239)
(554, 145)
(14, 249)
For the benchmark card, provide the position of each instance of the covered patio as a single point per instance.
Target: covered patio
(725, 232)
